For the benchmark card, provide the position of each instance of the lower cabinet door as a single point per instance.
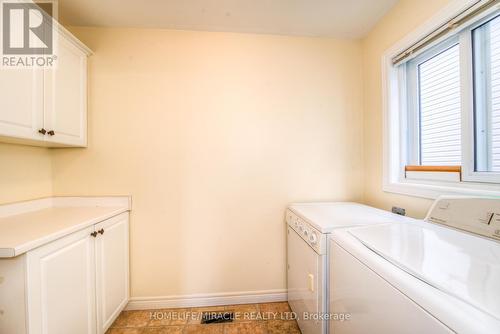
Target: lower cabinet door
(61, 286)
(112, 270)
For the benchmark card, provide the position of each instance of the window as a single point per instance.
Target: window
(434, 91)
(486, 46)
(435, 108)
(443, 107)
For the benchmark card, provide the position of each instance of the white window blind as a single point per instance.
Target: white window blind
(439, 109)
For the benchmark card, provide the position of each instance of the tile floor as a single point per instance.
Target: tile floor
(269, 318)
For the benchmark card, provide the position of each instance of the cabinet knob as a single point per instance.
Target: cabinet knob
(101, 231)
(94, 234)
(51, 133)
(42, 131)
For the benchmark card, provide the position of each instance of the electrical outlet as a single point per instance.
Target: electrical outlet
(398, 211)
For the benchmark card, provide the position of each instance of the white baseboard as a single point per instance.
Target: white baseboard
(210, 299)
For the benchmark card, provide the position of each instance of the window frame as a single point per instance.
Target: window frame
(469, 173)
(395, 126)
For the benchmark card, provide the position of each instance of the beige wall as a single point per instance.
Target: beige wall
(25, 173)
(213, 134)
(402, 19)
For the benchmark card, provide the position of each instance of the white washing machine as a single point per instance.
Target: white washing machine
(309, 225)
(438, 275)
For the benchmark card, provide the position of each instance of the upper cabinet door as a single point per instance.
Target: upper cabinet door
(21, 104)
(65, 96)
(112, 274)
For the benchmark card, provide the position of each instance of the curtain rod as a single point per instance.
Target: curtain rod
(463, 17)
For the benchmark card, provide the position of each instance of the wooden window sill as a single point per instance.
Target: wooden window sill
(443, 169)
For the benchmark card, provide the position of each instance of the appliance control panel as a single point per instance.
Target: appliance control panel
(311, 236)
(479, 215)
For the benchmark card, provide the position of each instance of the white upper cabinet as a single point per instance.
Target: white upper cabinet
(21, 103)
(47, 107)
(65, 96)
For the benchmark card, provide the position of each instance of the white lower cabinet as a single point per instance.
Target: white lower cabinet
(112, 263)
(61, 286)
(77, 284)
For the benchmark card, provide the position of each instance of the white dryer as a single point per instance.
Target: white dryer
(438, 275)
(309, 225)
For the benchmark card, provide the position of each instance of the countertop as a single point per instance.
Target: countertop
(28, 225)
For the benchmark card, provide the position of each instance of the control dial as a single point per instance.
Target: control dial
(313, 238)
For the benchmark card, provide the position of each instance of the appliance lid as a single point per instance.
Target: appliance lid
(326, 217)
(462, 265)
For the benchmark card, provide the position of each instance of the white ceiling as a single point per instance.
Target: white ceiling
(332, 18)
